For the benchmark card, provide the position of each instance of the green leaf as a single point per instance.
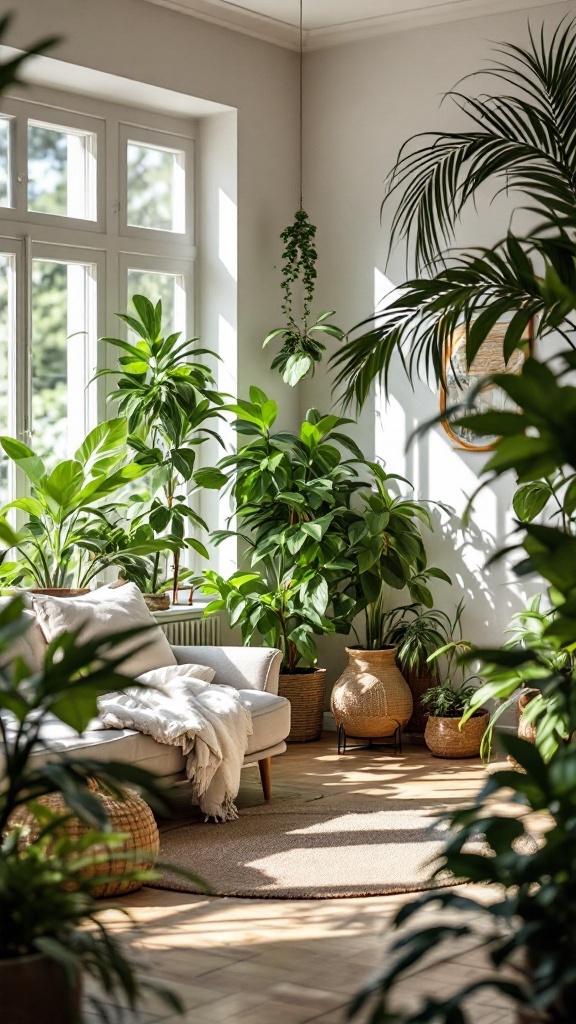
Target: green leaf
(210, 477)
(530, 499)
(297, 366)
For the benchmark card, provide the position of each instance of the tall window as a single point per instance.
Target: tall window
(96, 205)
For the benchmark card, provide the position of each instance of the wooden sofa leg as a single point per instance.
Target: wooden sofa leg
(265, 769)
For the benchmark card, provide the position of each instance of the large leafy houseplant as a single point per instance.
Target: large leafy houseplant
(47, 880)
(521, 140)
(59, 545)
(292, 494)
(302, 345)
(387, 553)
(169, 398)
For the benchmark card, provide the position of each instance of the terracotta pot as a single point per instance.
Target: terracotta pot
(35, 988)
(157, 602)
(59, 591)
(371, 699)
(305, 691)
(444, 738)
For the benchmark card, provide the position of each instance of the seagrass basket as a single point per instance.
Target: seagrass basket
(371, 698)
(131, 816)
(305, 691)
(444, 738)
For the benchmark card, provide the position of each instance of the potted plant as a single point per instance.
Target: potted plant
(292, 494)
(386, 554)
(448, 733)
(302, 345)
(169, 398)
(48, 879)
(65, 510)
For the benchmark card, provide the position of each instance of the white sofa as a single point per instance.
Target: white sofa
(253, 671)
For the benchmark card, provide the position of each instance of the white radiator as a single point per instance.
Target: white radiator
(190, 631)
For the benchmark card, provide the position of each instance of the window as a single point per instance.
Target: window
(95, 206)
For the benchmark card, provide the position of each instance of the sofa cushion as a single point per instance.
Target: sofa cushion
(102, 612)
(270, 719)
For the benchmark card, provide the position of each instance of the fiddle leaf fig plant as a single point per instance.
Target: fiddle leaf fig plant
(292, 494)
(302, 346)
(170, 399)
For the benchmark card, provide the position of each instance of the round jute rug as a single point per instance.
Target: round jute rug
(310, 849)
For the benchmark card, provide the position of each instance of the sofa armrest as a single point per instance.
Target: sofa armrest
(245, 668)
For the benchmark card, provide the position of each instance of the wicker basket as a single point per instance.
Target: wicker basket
(371, 698)
(444, 738)
(131, 816)
(305, 691)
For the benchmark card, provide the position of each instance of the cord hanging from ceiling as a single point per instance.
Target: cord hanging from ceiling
(301, 108)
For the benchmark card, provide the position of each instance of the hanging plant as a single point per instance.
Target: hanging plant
(302, 346)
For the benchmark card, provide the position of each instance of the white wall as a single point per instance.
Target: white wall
(362, 101)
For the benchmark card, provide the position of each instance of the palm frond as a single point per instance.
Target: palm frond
(524, 141)
(479, 289)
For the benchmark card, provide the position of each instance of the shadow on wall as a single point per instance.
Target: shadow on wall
(442, 472)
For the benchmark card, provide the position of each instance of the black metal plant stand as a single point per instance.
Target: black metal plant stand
(392, 742)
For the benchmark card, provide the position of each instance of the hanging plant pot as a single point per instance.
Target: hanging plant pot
(305, 691)
(36, 988)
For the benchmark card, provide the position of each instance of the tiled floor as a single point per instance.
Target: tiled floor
(244, 961)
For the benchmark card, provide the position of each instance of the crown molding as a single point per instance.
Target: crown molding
(282, 33)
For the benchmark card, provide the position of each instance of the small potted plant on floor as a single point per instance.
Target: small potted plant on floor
(447, 732)
(292, 494)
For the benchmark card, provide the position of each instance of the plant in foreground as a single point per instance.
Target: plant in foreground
(47, 880)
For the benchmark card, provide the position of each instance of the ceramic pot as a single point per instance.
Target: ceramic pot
(418, 682)
(444, 738)
(35, 988)
(305, 691)
(371, 699)
(157, 602)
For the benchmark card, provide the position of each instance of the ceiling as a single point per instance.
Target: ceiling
(328, 22)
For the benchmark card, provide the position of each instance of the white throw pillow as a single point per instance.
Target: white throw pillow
(104, 611)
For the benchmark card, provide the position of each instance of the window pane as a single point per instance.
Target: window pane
(61, 171)
(6, 328)
(155, 188)
(169, 288)
(5, 183)
(62, 300)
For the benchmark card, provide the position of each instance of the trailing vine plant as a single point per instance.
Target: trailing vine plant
(302, 346)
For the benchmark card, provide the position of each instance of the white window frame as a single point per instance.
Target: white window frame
(159, 140)
(106, 242)
(21, 112)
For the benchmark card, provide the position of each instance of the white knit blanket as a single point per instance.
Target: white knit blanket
(208, 722)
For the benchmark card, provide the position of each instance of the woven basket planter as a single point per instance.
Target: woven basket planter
(444, 738)
(36, 989)
(371, 698)
(305, 691)
(131, 816)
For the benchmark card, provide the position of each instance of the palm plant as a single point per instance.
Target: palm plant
(524, 142)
